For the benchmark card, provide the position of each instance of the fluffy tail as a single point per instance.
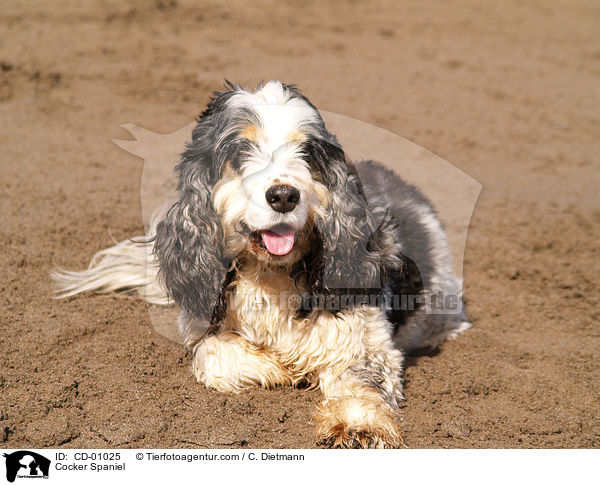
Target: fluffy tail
(129, 267)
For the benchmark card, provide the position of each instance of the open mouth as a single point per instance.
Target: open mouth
(278, 241)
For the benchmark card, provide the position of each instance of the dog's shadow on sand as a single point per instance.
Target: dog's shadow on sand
(412, 358)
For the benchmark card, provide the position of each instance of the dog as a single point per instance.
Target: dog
(291, 265)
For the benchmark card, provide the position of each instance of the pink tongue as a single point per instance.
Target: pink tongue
(280, 241)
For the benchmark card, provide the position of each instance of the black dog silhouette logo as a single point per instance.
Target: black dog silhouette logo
(26, 464)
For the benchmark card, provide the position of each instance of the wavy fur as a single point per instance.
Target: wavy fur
(322, 313)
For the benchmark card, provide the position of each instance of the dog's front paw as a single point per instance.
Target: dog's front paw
(353, 422)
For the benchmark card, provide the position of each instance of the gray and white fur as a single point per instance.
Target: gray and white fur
(291, 264)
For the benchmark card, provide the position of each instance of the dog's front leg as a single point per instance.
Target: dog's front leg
(357, 412)
(361, 399)
(229, 363)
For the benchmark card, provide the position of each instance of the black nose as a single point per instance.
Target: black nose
(283, 198)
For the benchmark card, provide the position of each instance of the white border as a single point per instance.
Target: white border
(327, 466)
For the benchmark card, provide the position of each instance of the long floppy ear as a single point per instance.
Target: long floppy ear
(351, 262)
(189, 241)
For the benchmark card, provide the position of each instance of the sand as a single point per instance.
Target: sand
(506, 92)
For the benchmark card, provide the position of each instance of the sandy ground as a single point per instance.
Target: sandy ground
(509, 93)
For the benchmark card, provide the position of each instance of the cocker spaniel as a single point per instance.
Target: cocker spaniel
(290, 264)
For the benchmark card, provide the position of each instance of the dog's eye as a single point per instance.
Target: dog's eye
(236, 153)
(317, 156)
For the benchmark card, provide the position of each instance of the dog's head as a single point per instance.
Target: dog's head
(263, 180)
(268, 191)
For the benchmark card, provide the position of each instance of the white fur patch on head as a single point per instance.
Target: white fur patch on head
(285, 167)
(280, 114)
(278, 121)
